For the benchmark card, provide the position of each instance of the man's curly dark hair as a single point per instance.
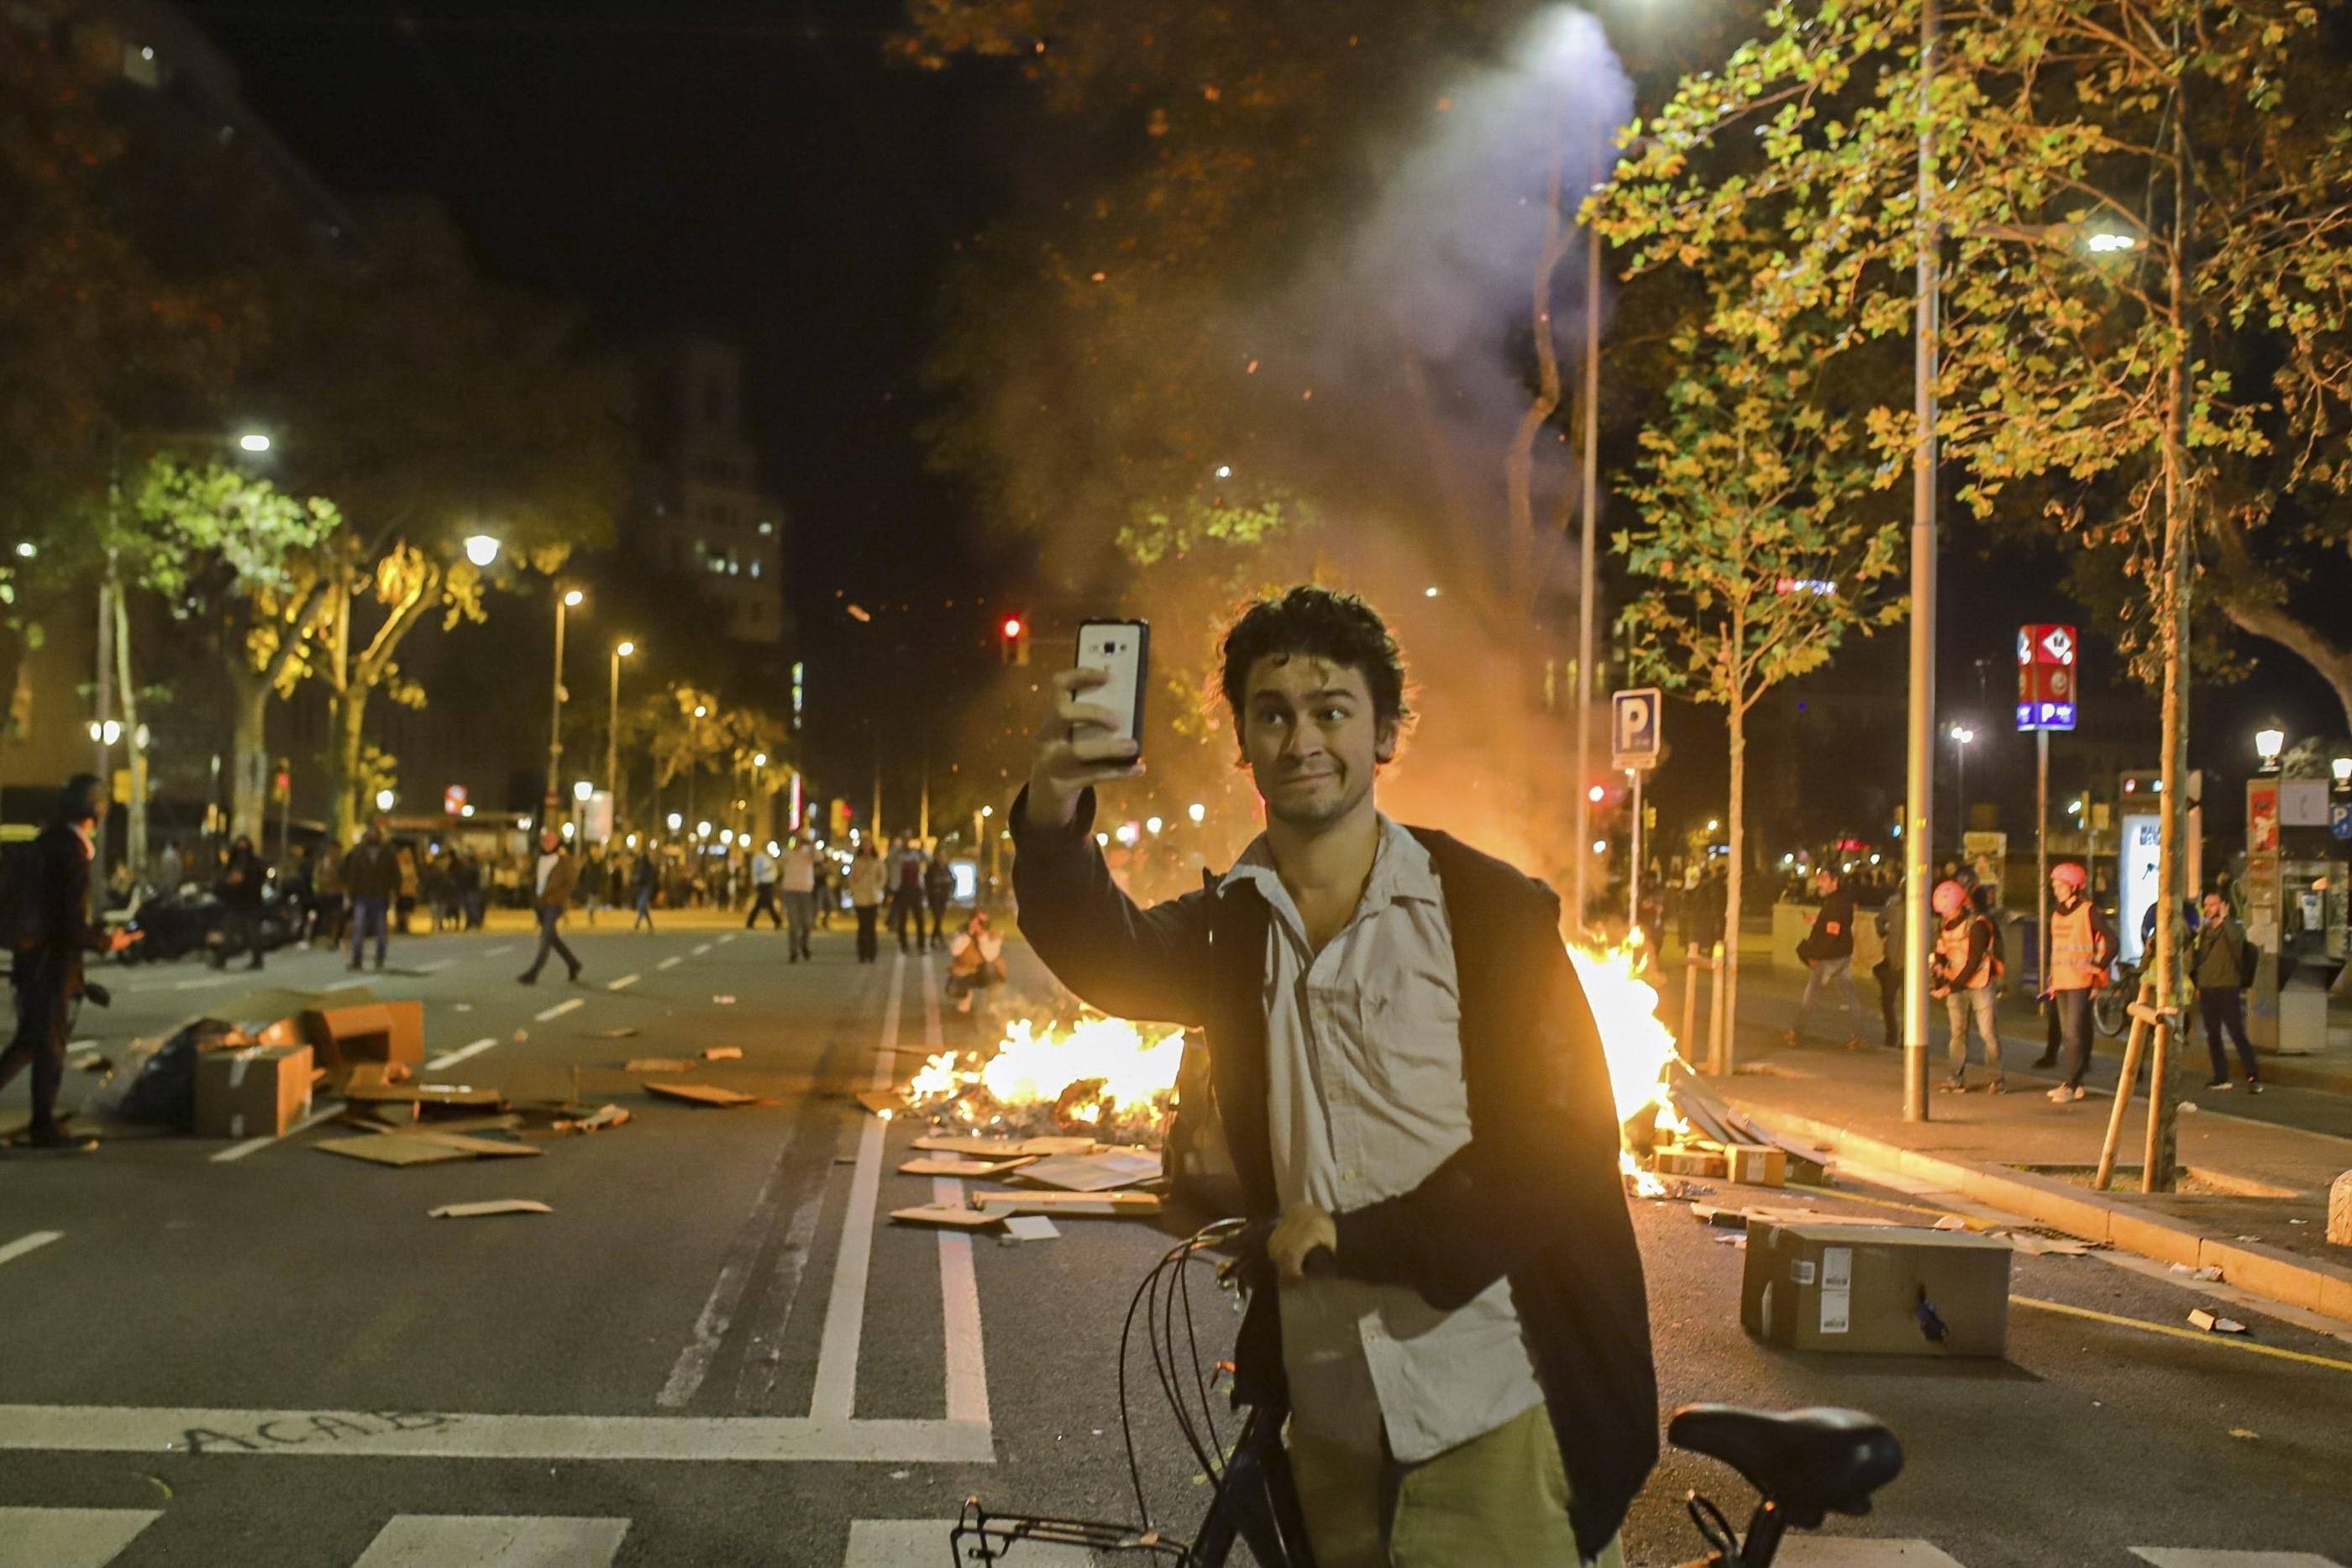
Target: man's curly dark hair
(1318, 623)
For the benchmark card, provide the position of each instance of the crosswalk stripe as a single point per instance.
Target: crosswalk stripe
(1859, 1551)
(69, 1537)
(923, 1544)
(2195, 1557)
(442, 1540)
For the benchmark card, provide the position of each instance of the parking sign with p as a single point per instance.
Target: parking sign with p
(1633, 727)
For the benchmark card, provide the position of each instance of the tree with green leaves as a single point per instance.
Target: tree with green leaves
(227, 550)
(1758, 546)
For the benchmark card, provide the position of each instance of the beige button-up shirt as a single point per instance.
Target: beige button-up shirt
(1365, 1099)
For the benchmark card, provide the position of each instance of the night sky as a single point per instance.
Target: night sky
(759, 173)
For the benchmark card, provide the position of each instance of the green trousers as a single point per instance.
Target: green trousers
(1496, 1499)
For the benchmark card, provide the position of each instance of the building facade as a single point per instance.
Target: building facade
(704, 513)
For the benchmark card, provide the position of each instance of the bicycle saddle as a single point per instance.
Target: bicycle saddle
(1809, 1462)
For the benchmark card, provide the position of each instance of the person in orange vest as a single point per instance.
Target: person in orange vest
(1964, 966)
(2076, 951)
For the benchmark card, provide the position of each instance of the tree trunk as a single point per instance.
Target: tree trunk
(343, 767)
(135, 850)
(250, 771)
(1734, 822)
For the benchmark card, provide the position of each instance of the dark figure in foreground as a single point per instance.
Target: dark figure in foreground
(555, 876)
(1409, 1077)
(50, 930)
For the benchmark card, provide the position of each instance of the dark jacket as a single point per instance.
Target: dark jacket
(1832, 933)
(58, 929)
(2220, 953)
(1535, 1194)
(241, 879)
(563, 877)
(371, 871)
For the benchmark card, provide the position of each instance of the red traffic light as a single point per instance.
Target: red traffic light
(1013, 626)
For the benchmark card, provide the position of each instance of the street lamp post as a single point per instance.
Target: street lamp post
(1919, 752)
(564, 601)
(2269, 743)
(621, 651)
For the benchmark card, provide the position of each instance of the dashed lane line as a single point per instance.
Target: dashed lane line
(32, 1242)
(623, 984)
(672, 962)
(729, 937)
(698, 952)
(451, 1057)
(966, 1363)
(503, 947)
(255, 1145)
(549, 1015)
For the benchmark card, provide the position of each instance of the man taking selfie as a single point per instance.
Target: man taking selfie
(1410, 1078)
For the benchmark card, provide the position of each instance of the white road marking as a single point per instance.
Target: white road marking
(672, 962)
(254, 1145)
(71, 1537)
(406, 1434)
(967, 1362)
(519, 1541)
(31, 1242)
(1859, 1551)
(763, 1354)
(207, 983)
(451, 1057)
(501, 947)
(435, 967)
(2192, 1557)
(729, 937)
(698, 952)
(836, 1397)
(623, 984)
(693, 1364)
(352, 985)
(546, 1015)
(923, 1544)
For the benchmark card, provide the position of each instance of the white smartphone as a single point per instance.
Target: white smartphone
(1123, 649)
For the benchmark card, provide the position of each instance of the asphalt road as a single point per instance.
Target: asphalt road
(717, 1351)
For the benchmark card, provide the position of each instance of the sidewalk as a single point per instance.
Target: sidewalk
(2252, 1200)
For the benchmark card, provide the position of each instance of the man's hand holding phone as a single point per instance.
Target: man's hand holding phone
(1078, 746)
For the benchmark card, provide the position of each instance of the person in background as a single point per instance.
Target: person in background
(170, 870)
(939, 890)
(821, 885)
(906, 890)
(975, 964)
(371, 881)
(1828, 952)
(591, 882)
(555, 877)
(799, 879)
(1963, 964)
(1895, 949)
(240, 896)
(48, 931)
(867, 873)
(473, 899)
(764, 893)
(404, 894)
(2075, 954)
(2219, 965)
(645, 883)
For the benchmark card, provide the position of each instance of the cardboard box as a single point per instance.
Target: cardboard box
(1876, 1291)
(259, 1092)
(372, 1031)
(1758, 1165)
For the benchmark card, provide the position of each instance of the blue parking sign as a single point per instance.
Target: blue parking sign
(1633, 727)
(2339, 819)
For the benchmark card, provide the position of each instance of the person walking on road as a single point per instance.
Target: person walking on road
(2075, 957)
(555, 877)
(50, 930)
(240, 896)
(645, 883)
(1828, 952)
(1412, 1086)
(1965, 964)
(938, 892)
(907, 890)
(2222, 962)
(800, 894)
(1895, 951)
(763, 891)
(170, 870)
(866, 877)
(372, 881)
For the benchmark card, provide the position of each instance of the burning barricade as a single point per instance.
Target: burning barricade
(1101, 1077)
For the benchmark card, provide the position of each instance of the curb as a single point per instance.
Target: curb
(2312, 1284)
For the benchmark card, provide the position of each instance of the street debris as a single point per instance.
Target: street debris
(2211, 1324)
(488, 1207)
(660, 1064)
(1100, 1076)
(2210, 1271)
(1002, 1148)
(1022, 1228)
(1093, 1171)
(701, 1094)
(723, 1001)
(722, 1053)
(2243, 1433)
(1130, 1204)
(597, 1121)
(624, 1031)
(883, 1103)
(949, 1166)
(945, 1215)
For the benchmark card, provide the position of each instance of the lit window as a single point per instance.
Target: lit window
(755, 566)
(767, 528)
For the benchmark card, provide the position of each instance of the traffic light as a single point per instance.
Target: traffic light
(1013, 632)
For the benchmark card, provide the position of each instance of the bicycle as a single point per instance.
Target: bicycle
(1805, 1464)
(2111, 1003)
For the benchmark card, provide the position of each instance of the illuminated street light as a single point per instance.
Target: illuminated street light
(254, 440)
(482, 548)
(759, 759)
(583, 789)
(2342, 768)
(726, 836)
(1102, 840)
(1197, 811)
(1152, 825)
(2268, 743)
(701, 830)
(625, 648)
(2102, 243)
(1224, 471)
(1715, 824)
(467, 810)
(987, 812)
(676, 821)
(1429, 592)
(700, 711)
(572, 599)
(383, 800)
(1601, 846)
(28, 549)
(1596, 794)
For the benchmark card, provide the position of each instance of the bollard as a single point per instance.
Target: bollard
(1684, 1041)
(1717, 1051)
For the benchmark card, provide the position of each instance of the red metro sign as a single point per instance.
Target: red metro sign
(2046, 676)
